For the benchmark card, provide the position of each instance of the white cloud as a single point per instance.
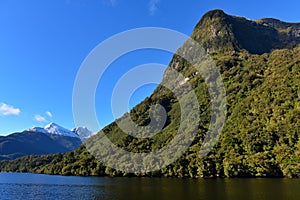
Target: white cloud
(39, 118)
(49, 114)
(153, 6)
(8, 110)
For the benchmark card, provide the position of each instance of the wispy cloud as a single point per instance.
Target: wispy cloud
(49, 114)
(39, 118)
(153, 6)
(8, 110)
(113, 2)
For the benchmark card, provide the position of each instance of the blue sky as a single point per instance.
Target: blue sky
(43, 43)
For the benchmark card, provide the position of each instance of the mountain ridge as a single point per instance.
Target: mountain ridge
(54, 129)
(217, 29)
(35, 143)
(51, 139)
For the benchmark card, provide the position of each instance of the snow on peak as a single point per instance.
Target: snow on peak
(54, 129)
(83, 132)
(38, 129)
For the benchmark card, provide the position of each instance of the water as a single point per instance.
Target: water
(34, 186)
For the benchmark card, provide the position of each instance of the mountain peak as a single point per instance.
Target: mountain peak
(52, 124)
(214, 32)
(217, 13)
(219, 32)
(83, 132)
(54, 129)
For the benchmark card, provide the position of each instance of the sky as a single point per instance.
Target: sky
(43, 44)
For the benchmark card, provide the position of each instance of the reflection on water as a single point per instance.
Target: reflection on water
(34, 186)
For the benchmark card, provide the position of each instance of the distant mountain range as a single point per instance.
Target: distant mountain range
(55, 129)
(37, 141)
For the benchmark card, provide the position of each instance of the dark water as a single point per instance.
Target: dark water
(33, 186)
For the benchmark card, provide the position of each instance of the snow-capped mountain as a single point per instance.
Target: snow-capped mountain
(38, 130)
(51, 139)
(83, 132)
(54, 129)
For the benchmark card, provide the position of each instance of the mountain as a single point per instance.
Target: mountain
(83, 132)
(260, 65)
(54, 129)
(219, 32)
(37, 141)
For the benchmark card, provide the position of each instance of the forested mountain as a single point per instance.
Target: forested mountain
(260, 65)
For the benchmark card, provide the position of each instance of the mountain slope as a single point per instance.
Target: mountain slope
(35, 143)
(260, 66)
